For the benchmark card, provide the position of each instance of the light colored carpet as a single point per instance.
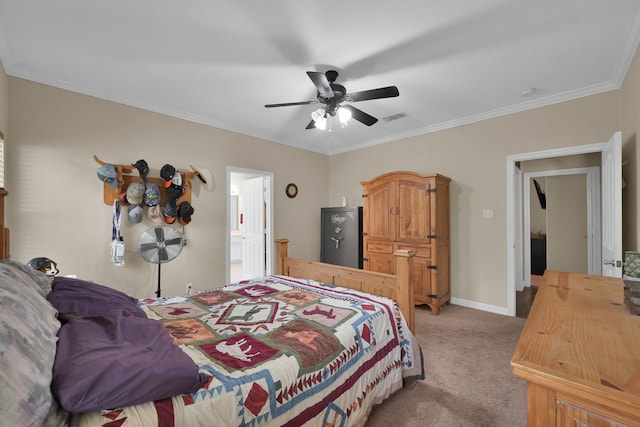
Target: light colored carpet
(469, 381)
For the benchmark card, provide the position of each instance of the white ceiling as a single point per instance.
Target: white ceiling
(218, 62)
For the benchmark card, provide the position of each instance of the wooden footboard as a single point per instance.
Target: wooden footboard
(395, 286)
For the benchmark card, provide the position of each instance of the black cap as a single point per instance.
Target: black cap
(167, 172)
(143, 168)
(185, 210)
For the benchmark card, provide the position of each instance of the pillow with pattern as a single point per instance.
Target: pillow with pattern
(28, 328)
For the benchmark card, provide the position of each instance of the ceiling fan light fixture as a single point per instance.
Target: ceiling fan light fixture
(344, 114)
(319, 117)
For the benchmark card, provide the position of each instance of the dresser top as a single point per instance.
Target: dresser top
(580, 337)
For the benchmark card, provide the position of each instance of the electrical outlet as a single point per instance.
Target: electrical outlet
(189, 287)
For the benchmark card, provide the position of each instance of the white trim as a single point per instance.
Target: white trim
(480, 306)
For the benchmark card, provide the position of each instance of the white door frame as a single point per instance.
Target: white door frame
(514, 210)
(593, 218)
(268, 198)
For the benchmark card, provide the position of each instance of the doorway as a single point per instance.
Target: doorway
(249, 224)
(611, 217)
(561, 213)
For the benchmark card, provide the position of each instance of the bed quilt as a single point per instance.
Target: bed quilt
(279, 351)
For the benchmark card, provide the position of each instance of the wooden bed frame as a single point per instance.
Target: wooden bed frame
(395, 286)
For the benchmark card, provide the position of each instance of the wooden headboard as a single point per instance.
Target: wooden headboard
(396, 287)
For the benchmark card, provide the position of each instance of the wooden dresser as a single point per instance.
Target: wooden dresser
(580, 353)
(409, 211)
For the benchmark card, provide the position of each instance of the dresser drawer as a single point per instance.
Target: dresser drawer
(379, 247)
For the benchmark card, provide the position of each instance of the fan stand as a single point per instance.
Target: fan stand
(158, 290)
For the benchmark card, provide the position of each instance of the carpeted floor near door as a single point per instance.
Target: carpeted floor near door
(468, 381)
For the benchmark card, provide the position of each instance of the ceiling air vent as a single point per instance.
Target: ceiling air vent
(394, 117)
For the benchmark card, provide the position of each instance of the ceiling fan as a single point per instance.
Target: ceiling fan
(334, 98)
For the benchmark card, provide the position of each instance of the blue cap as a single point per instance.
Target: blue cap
(107, 173)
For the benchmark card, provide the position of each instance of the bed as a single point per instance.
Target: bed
(306, 346)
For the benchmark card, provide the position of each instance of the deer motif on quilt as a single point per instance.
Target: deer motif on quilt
(248, 316)
(234, 349)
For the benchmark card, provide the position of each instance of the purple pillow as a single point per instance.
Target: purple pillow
(82, 298)
(118, 360)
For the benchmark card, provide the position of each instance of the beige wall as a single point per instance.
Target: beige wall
(630, 119)
(474, 157)
(567, 248)
(56, 206)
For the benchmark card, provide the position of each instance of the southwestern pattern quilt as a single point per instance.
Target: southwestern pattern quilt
(279, 351)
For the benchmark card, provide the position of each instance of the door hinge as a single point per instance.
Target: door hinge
(365, 195)
(365, 259)
(432, 190)
(432, 236)
(432, 295)
(364, 233)
(432, 267)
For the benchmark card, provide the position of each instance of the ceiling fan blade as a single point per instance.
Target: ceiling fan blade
(383, 92)
(289, 104)
(360, 115)
(311, 125)
(148, 246)
(321, 82)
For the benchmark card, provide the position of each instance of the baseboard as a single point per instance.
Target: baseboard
(480, 306)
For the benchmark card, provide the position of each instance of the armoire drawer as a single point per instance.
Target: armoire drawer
(379, 247)
(421, 251)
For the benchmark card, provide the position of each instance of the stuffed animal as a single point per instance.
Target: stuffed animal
(45, 265)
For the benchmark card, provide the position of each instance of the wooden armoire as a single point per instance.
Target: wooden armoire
(408, 210)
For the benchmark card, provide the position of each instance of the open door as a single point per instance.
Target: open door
(253, 238)
(612, 207)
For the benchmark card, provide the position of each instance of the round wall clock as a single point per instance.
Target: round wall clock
(291, 190)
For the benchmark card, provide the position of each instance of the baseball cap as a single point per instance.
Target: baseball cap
(155, 214)
(185, 210)
(135, 193)
(167, 172)
(152, 194)
(143, 168)
(170, 212)
(135, 213)
(174, 193)
(107, 173)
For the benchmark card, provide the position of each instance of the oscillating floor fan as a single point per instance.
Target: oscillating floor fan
(160, 244)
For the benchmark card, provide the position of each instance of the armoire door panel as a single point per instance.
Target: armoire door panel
(380, 199)
(414, 209)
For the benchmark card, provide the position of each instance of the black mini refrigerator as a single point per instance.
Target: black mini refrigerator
(341, 239)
